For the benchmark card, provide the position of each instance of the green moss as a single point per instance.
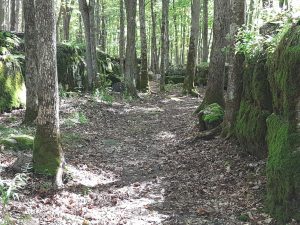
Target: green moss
(20, 142)
(12, 88)
(250, 128)
(212, 113)
(283, 170)
(46, 152)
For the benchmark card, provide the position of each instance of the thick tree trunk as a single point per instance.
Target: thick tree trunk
(234, 86)
(87, 13)
(31, 69)
(164, 43)
(154, 57)
(47, 152)
(188, 86)
(205, 31)
(2, 14)
(68, 9)
(215, 83)
(130, 62)
(103, 27)
(122, 37)
(144, 48)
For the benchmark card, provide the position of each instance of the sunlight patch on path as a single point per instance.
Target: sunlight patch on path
(165, 135)
(89, 179)
(137, 109)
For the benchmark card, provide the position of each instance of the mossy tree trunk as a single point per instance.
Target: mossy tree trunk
(130, 62)
(234, 87)
(144, 59)
(31, 70)
(188, 86)
(47, 152)
(215, 83)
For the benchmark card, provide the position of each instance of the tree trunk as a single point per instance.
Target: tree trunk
(130, 62)
(98, 22)
(188, 86)
(183, 36)
(234, 87)
(164, 43)
(177, 59)
(103, 28)
(87, 13)
(215, 83)
(12, 15)
(250, 14)
(122, 37)
(31, 70)
(47, 152)
(144, 58)
(154, 57)
(205, 31)
(2, 14)
(67, 18)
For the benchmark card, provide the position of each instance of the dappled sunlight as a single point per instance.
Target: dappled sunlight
(165, 135)
(138, 109)
(89, 179)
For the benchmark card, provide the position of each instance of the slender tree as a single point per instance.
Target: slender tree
(88, 16)
(234, 86)
(188, 86)
(143, 37)
(130, 62)
(122, 37)
(13, 15)
(31, 70)
(215, 84)
(154, 56)
(47, 152)
(205, 32)
(164, 43)
(2, 14)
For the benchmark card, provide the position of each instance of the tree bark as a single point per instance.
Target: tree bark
(234, 87)
(164, 43)
(12, 15)
(103, 27)
(154, 57)
(188, 86)
(2, 14)
(176, 41)
(130, 62)
(31, 69)
(122, 37)
(144, 48)
(88, 16)
(205, 32)
(47, 152)
(215, 83)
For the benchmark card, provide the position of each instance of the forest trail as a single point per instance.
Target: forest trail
(137, 164)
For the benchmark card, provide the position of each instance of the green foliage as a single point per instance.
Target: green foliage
(103, 95)
(76, 118)
(18, 142)
(212, 113)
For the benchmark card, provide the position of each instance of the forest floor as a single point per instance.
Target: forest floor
(137, 163)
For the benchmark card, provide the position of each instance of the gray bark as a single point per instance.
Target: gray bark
(164, 43)
(122, 37)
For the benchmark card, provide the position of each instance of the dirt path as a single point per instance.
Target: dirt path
(136, 164)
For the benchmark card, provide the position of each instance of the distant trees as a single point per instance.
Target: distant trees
(164, 58)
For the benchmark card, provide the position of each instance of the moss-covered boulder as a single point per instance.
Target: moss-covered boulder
(212, 115)
(12, 87)
(18, 142)
(255, 107)
(283, 167)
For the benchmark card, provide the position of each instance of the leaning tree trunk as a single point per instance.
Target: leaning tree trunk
(188, 86)
(164, 43)
(31, 70)
(47, 152)
(130, 62)
(234, 87)
(215, 84)
(87, 13)
(144, 59)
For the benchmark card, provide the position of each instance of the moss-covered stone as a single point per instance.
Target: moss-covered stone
(18, 142)
(283, 170)
(213, 114)
(12, 87)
